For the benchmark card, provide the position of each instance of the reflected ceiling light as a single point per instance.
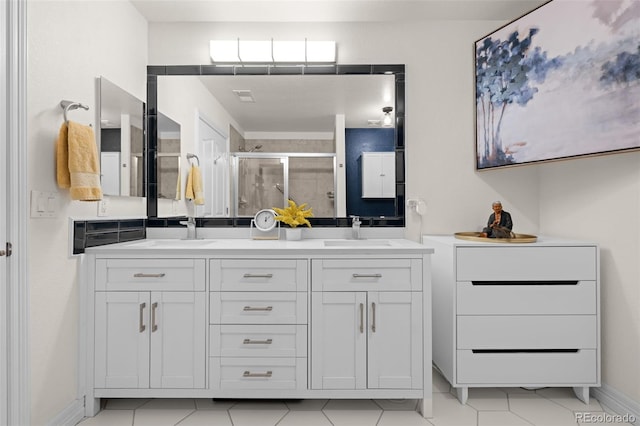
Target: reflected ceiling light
(270, 52)
(387, 121)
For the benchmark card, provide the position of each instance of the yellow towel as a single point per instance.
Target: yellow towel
(194, 190)
(77, 162)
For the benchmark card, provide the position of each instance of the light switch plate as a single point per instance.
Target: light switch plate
(44, 204)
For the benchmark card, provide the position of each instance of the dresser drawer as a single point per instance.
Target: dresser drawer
(527, 368)
(524, 299)
(366, 274)
(258, 341)
(258, 373)
(150, 274)
(526, 263)
(258, 308)
(258, 275)
(527, 332)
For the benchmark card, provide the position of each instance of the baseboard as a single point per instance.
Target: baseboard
(618, 402)
(70, 416)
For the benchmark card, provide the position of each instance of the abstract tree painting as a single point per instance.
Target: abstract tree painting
(560, 82)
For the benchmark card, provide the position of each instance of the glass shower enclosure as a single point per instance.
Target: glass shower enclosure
(267, 179)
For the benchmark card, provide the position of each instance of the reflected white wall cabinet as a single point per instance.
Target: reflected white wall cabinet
(378, 175)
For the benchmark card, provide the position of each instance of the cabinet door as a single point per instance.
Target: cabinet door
(338, 345)
(178, 338)
(388, 175)
(378, 175)
(122, 339)
(395, 342)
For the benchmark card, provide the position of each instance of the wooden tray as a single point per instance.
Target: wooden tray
(477, 236)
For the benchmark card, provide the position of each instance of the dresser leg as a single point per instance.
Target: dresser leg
(463, 394)
(582, 392)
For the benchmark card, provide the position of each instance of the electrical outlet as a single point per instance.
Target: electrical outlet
(103, 207)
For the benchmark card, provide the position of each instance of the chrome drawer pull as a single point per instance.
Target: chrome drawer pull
(373, 321)
(258, 308)
(367, 275)
(154, 326)
(141, 275)
(258, 275)
(250, 374)
(257, 342)
(142, 327)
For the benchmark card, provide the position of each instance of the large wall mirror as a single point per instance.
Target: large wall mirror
(121, 140)
(331, 137)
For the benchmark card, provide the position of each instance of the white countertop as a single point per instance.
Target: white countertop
(236, 246)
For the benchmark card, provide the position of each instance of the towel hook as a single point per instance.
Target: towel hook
(190, 156)
(70, 106)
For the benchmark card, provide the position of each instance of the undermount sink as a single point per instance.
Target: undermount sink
(356, 243)
(174, 243)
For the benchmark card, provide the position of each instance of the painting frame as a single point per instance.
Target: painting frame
(540, 97)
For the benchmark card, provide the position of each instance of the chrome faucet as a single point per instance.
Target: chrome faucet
(191, 227)
(355, 227)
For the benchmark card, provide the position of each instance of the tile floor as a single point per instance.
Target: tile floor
(485, 407)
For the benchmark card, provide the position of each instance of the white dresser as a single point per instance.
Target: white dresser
(512, 314)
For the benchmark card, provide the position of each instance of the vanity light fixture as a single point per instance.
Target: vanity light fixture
(272, 52)
(387, 121)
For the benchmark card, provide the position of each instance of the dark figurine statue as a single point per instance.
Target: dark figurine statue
(499, 224)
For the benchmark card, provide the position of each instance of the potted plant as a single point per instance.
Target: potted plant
(294, 216)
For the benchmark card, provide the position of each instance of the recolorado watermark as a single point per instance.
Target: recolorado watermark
(604, 418)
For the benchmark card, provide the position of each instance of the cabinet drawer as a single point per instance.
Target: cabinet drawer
(367, 274)
(523, 299)
(527, 368)
(258, 308)
(150, 274)
(258, 340)
(527, 332)
(526, 263)
(258, 373)
(258, 275)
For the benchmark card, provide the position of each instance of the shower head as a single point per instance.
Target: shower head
(255, 148)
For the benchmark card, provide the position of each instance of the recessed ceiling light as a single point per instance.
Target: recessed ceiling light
(244, 95)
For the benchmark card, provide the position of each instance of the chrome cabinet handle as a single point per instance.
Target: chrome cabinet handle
(258, 275)
(367, 275)
(258, 308)
(257, 342)
(154, 326)
(361, 318)
(142, 327)
(250, 374)
(373, 317)
(141, 275)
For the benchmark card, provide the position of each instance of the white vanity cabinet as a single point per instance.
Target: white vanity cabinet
(149, 324)
(366, 324)
(516, 314)
(236, 318)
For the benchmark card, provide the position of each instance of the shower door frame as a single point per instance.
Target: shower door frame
(284, 157)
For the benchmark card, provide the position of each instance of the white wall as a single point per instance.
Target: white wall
(69, 45)
(591, 199)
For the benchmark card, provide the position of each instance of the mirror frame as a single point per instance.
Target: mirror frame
(151, 146)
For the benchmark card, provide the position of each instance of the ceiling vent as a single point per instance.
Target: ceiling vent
(244, 95)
